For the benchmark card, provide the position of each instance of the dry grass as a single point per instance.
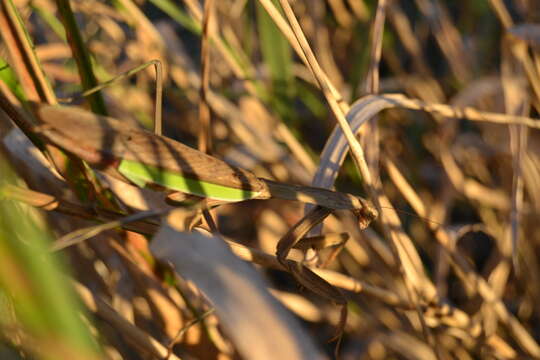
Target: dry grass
(438, 103)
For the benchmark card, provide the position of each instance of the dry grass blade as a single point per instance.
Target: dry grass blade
(50, 203)
(240, 297)
(527, 32)
(372, 83)
(205, 134)
(447, 36)
(289, 33)
(408, 346)
(358, 153)
(370, 133)
(406, 34)
(336, 147)
(474, 280)
(81, 235)
(462, 171)
(402, 246)
(242, 72)
(521, 335)
(205, 137)
(364, 109)
(22, 55)
(502, 12)
(516, 102)
(131, 333)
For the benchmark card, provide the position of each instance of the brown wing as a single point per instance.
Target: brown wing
(102, 141)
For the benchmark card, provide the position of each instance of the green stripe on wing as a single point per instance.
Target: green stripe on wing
(141, 174)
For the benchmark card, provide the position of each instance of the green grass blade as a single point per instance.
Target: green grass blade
(23, 56)
(277, 55)
(81, 55)
(275, 49)
(179, 15)
(8, 76)
(34, 286)
(51, 20)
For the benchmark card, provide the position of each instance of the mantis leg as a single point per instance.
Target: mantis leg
(159, 89)
(303, 274)
(336, 241)
(294, 238)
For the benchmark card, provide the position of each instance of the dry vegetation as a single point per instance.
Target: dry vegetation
(443, 97)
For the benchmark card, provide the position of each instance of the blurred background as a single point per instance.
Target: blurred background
(453, 277)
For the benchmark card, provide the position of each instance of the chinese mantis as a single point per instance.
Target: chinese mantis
(144, 158)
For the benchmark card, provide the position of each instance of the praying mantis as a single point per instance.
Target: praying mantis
(145, 159)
